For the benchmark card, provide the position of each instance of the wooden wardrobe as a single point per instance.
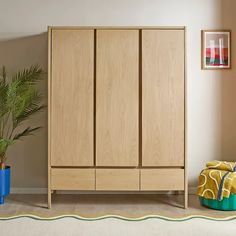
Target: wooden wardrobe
(116, 118)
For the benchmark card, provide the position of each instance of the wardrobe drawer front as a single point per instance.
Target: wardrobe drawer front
(117, 179)
(162, 179)
(73, 179)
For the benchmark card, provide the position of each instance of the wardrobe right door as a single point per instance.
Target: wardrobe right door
(163, 98)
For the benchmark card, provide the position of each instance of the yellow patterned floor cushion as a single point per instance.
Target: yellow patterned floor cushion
(217, 180)
(221, 165)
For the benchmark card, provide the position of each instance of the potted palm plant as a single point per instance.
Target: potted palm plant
(19, 100)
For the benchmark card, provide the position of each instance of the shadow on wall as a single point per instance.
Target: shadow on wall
(224, 92)
(28, 158)
(228, 87)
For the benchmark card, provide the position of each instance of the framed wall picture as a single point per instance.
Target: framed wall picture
(216, 49)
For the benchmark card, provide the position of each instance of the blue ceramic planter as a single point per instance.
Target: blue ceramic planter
(4, 183)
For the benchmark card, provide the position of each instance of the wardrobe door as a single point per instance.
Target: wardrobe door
(163, 98)
(72, 98)
(117, 98)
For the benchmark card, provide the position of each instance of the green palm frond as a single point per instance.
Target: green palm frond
(19, 100)
(3, 92)
(30, 75)
(4, 143)
(3, 98)
(28, 112)
(24, 103)
(26, 132)
(3, 75)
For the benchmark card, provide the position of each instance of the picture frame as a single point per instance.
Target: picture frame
(216, 49)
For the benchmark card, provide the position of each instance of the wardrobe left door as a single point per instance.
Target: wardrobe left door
(72, 97)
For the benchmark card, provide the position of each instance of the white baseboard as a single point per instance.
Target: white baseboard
(192, 191)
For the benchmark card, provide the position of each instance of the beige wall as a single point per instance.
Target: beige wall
(211, 111)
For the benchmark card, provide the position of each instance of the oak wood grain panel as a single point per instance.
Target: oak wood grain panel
(117, 179)
(162, 179)
(72, 98)
(117, 98)
(186, 125)
(163, 97)
(72, 179)
(49, 116)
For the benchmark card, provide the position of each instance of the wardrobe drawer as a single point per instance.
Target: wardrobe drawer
(72, 179)
(117, 179)
(162, 179)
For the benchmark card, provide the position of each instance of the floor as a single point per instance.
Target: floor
(114, 227)
(95, 205)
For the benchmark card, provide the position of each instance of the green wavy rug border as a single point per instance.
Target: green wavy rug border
(160, 217)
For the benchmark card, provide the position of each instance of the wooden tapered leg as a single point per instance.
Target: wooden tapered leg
(49, 198)
(186, 198)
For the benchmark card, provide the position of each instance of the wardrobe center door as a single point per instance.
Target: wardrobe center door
(163, 98)
(72, 97)
(117, 81)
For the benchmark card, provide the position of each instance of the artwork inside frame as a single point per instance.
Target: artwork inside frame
(216, 49)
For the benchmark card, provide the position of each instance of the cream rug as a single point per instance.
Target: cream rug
(29, 225)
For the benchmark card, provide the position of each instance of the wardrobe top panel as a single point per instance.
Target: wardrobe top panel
(117, 27)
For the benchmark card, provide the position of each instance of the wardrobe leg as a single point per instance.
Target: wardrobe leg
(185, 199)
(49, 198)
